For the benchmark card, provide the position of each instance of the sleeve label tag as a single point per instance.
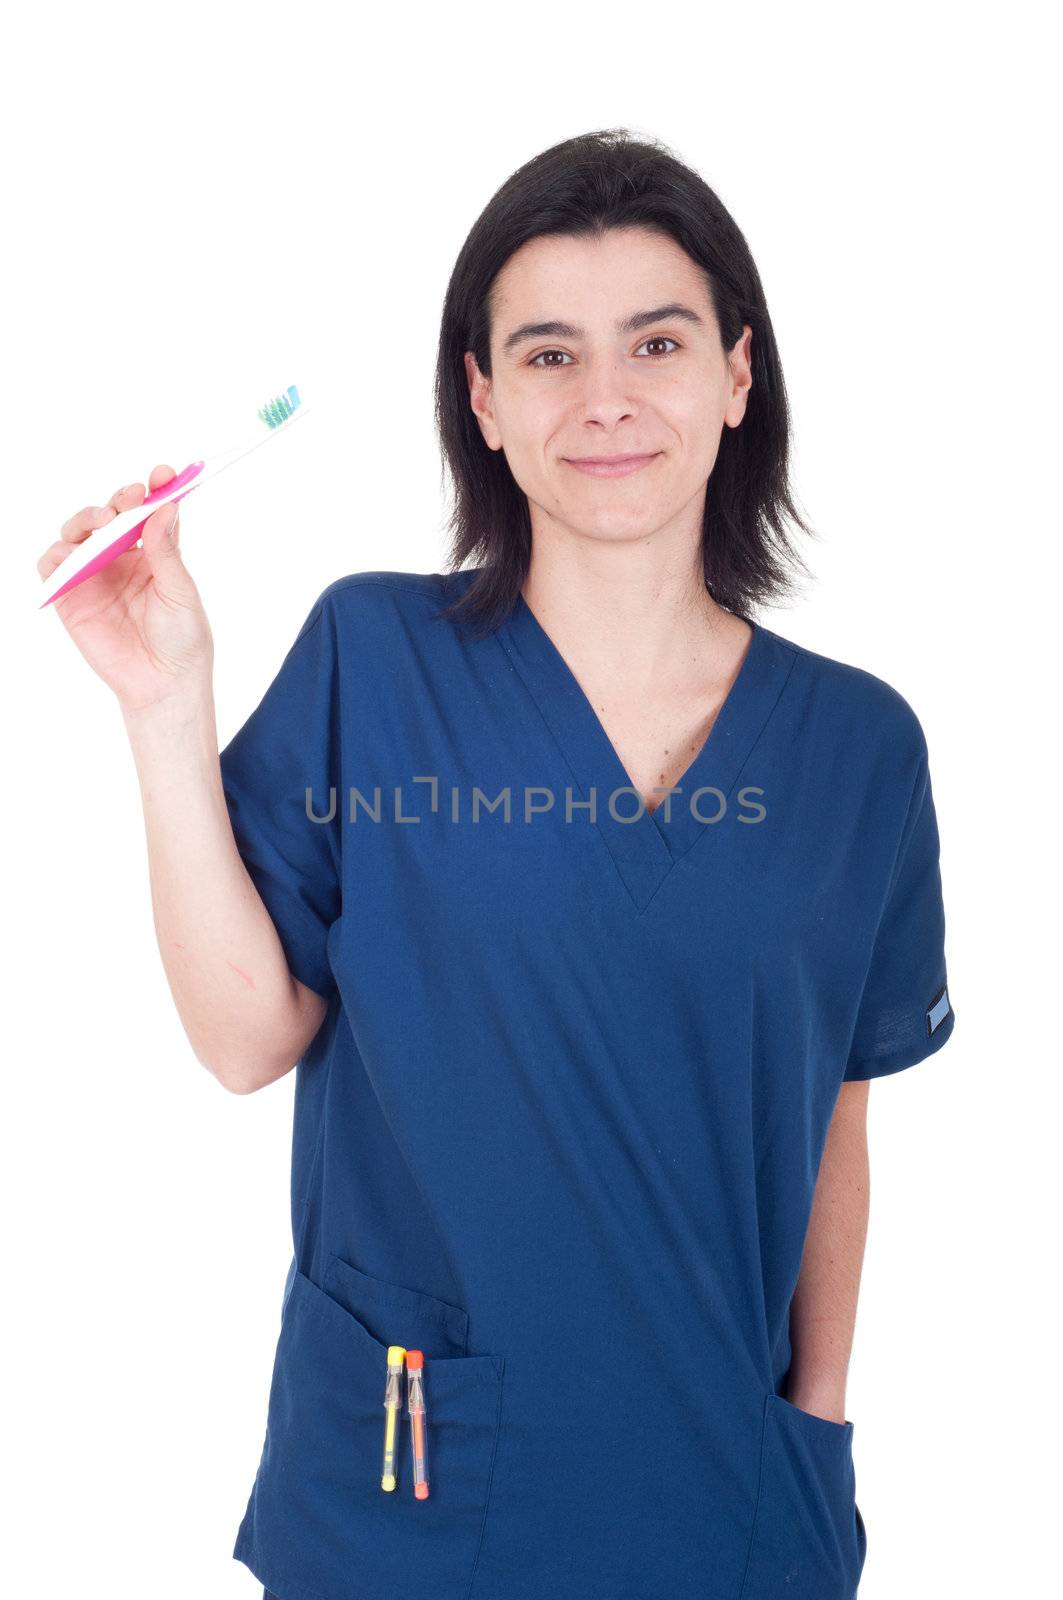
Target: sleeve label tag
(937, 1011)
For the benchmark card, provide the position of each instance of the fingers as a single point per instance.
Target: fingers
(52, 557)
(89, 518)
(78, 527)
(45, 563)
(85, 521)
(131, 495)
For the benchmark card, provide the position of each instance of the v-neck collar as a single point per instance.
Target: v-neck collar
(645, 845)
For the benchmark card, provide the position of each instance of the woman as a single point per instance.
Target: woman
(587, 907)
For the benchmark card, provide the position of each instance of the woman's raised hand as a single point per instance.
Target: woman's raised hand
(139, 622)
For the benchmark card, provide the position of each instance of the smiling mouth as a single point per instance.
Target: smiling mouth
(610, 466)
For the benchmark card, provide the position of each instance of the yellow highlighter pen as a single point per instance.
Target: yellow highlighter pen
(392, 1408)
(418, 1421)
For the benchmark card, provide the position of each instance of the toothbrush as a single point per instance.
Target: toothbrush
(122, 532)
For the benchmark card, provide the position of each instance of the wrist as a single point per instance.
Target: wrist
(173, 738)
(823, 1396)
(192, 702)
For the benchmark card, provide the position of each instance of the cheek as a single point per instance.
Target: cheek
(697, 407)
(698, 422)
(531, 423)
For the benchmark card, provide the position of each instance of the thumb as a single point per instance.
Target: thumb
(159, 542)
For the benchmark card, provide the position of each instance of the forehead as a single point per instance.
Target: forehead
(598, 278)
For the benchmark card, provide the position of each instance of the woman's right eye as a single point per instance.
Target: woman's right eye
(535, 360)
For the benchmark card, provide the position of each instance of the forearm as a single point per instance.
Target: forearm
(242, 1010)
(823, 1309)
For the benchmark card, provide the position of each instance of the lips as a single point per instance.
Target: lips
(611, 466)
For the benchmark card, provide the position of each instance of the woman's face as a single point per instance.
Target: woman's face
(570, 381)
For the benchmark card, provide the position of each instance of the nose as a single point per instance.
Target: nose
(606, 394)
(607, 407)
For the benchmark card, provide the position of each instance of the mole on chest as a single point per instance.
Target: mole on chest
(655, 757)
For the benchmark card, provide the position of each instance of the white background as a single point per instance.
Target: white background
(207, 203)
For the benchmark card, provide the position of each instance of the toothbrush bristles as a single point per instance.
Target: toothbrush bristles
(280, 408)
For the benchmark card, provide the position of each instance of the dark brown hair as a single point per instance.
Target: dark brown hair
(585, 186)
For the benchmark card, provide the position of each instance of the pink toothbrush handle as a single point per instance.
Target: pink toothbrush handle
(127, 540)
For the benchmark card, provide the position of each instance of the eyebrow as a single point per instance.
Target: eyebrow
(632, 324)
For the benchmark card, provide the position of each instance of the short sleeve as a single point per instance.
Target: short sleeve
(905, 1013)
(278, 775)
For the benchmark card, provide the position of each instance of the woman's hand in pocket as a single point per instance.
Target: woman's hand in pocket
(826, 1400)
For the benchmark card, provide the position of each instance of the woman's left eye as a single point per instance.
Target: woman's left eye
(661, 338)
(551, 366)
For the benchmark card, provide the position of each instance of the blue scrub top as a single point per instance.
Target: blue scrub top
(561, 1126)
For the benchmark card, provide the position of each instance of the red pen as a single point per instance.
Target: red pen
(418, 1421)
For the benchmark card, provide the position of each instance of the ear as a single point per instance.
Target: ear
(740, 365)
(480, 400)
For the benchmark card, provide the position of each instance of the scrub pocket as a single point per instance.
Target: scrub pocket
(318, 1523)
(808, 1538)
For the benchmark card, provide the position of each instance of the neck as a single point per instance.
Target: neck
(630, 613)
